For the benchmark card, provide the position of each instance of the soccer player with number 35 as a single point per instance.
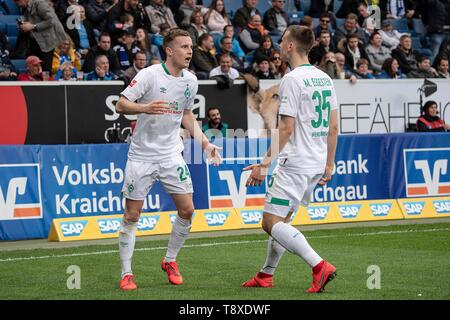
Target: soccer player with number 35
(306, 146)
(162, 97)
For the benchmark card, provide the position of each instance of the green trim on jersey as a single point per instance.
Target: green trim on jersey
(306, 65)
(167, 71)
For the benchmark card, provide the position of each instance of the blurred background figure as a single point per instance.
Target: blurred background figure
(429, 121)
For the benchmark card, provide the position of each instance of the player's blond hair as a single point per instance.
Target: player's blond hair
(303, 38)
(173, 34)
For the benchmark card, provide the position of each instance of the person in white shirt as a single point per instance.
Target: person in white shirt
(162, 97)
(306, 146)
(225, 68)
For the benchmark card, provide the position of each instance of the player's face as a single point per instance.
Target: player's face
(285, 47)
(180, 52)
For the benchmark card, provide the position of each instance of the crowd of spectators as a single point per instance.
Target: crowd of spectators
(70, 40)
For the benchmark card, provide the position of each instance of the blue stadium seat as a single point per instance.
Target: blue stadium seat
(416, 44)
(19, 64)
(207, 3)
(12, 30)
(232, 6)
(296, 16)
(12, 7)
(2, 27)
(10, 18)
(12, 41)
(315, 23)
(419, 27)
(400, 25)
(337, 5)
(305, 5)
(263, 6)
(339, 22)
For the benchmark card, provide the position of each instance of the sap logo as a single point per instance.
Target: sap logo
(427, 172)
(109, 225)
(216, 219)
(20, 192)
(147, 223)
(380, 209)
(349, 211)
(251, 216)
(414, 208)
(442, 206)
(318, 213)
(174, 216)
(74, 228)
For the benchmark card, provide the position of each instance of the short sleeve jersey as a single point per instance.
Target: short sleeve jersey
(308, 95)
(157, 137)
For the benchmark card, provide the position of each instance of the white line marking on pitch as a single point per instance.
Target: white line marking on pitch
(218, 244)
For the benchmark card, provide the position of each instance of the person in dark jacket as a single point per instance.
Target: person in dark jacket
(102, 48)
(132, 7)
(404, 54)
(318, 7)
(325, 45)
(203, 61)
(97, 12)
(429, 121)
(353, 50)
(276, 19)
(243, 14)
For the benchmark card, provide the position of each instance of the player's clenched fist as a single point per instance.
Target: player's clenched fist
(157, 107)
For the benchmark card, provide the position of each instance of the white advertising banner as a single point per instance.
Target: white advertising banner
(368, 106)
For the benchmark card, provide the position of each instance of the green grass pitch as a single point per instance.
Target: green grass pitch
(414, 262)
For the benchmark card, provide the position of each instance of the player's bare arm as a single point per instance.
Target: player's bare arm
(260, 170)
(331, 147)
(190, 123)
(125, 106)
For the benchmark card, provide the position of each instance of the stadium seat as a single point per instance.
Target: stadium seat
(416, 44)
(11, 7)
(315, 23)
(12, 41)
(337, 5)
(263, 6)
(232, 6)
(400, 25)
(207, 3)
(2, 27)
(419, 27)
(12, 30)
(19, 64)
(339, 22)
(296, 16)
(10, 18)
(305, 5)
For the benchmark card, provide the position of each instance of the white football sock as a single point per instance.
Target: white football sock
(127, 239)
(180, 231)
(274, 253)
(294, 241)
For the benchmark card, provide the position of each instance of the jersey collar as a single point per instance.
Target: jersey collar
(167, 71)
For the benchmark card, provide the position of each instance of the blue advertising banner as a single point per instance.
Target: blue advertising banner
(41, 183)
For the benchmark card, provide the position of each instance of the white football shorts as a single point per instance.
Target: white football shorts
(173, 175)
(287, 191)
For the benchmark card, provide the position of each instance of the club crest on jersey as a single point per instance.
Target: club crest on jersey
(187, 92)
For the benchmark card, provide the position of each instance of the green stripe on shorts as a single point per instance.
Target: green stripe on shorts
(280, 202)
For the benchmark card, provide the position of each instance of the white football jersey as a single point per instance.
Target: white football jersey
(157, 137)
(308, 95)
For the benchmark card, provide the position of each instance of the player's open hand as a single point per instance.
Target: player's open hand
(157, 107)
(257, 175)
(326, 176)
(213, 154)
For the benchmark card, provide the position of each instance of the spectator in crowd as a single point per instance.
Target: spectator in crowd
(429, 121)
(183, 15)
(127, 49)
(363, 13)
(5, 48)
(67, 72)
(319, 7)
(391, 70)
(376, 52)
(97, 12)
(307, 21)
(424, 69)
(158, 39)
(404, 55)
(7, 70)
(347, 7)
(127, 21)
(144, 44)
(350, 27)
(34, 70)
(6, 74)
(228, 31)
(442, 67)
(65, 52)
(329, 66)
(216, 18)
(390, 37)
(132, 7)
(215, 127)
(263, 69)
(203, 60)
(265, 48)
(103, 48)
(225, 68)
(196, 28)
(279, 68)
(398, 9)
(226, 44)
(101, 71)
(345, 71)
(250, 36)
(362, 70)
(139, 63)
(325, 45)
(445, 49)
(353, 50)
(242, 16)
(324, 25)
(276, 19)
(41, 31)
(82, 34)
(436, 17)
(159, 13)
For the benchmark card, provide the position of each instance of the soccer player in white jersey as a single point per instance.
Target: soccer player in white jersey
(162, 96)
(305, 147)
